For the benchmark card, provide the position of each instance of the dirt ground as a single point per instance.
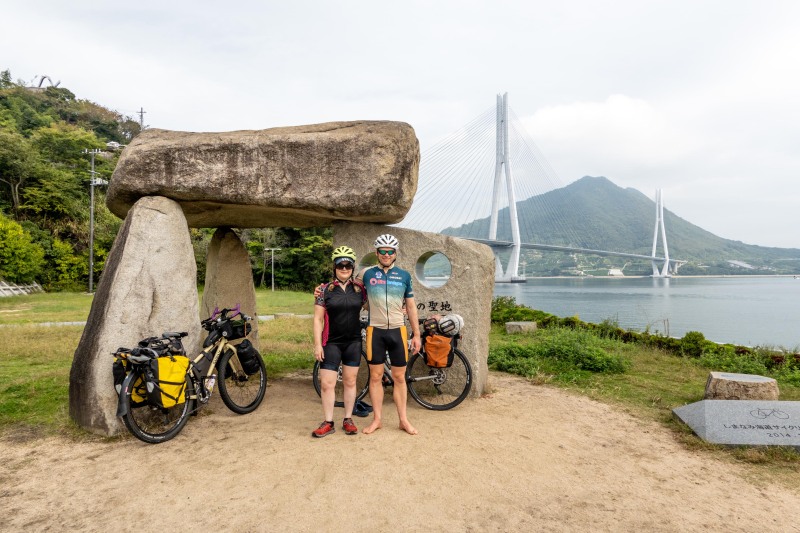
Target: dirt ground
(524, 458)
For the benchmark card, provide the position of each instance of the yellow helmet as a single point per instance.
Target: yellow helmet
(343, 253)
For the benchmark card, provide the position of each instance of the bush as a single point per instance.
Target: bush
(559, 351)
(21, 259)
(726, 359)
(693, 344)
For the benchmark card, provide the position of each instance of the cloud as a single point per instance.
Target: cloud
(619, 130)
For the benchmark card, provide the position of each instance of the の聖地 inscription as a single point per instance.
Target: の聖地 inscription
(744, 422)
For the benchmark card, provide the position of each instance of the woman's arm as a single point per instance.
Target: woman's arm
(319, 325)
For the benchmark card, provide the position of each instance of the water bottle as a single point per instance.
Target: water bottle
(210, 384)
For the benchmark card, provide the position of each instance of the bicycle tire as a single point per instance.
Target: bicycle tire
(154, 425)
(241, 393)
(439, 389)
(362, 381)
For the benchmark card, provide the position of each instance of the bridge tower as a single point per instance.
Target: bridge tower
(665, 270)
(503, 167)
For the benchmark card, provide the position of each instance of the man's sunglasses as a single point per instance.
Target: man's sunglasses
(345, 266)
(386, 252)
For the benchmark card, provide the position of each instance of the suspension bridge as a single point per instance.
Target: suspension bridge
(471, 183)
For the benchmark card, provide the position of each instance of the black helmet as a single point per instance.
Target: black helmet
(430, 325)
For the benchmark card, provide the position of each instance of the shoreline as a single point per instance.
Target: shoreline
(795, 276)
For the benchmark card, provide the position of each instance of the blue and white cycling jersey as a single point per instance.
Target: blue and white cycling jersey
(386, 293)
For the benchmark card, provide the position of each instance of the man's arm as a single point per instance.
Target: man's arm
(411, 310)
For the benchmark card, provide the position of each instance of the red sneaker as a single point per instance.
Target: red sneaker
(326, 428)
(349, 427)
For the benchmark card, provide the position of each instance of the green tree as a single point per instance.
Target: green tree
(62, 144)
(306, 261)
(21, 259)
(5, 79)
(17, 166)
(66, 270)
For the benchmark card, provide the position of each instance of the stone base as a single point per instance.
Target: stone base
(520, 327)
(726, 386)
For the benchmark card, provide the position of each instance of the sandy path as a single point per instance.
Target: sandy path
(525, 458)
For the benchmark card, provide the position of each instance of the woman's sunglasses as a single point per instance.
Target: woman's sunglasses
(386, 252)
(345, 266)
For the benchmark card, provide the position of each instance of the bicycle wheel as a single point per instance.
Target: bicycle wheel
(362, 381)
(153, 424)
(439, 388)
(241, 393)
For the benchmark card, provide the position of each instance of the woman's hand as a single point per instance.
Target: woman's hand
(319, 354)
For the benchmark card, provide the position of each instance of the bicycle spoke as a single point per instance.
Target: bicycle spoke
(439, 388)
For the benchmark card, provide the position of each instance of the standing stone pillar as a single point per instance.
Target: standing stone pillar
(468, 292)
(229, 278)
(149, 286)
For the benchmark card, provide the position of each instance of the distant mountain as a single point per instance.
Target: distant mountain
(595, 213)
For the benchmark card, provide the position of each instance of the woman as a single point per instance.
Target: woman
(337, 338)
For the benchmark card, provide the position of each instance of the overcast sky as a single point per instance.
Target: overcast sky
(698, 98)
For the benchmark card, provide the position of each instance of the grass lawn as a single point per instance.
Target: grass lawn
(74, 306)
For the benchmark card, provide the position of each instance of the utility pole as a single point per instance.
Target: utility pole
(141, 117)
(92, 182)
(272, 254)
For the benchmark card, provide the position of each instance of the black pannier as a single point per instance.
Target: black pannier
(235, 329)
(164, 346)
(248, 356)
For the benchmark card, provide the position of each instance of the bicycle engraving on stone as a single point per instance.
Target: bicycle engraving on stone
(434, 388)
(766, 413)
(156, 410)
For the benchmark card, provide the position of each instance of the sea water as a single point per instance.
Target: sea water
(750, 311)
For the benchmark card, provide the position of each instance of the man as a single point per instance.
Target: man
(388, 291)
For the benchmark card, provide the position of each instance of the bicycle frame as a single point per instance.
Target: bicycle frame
(201, 391)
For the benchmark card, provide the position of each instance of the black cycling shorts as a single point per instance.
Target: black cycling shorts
(391, 341)
(345, 354)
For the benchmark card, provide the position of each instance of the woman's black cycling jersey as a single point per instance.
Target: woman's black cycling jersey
(342, 308)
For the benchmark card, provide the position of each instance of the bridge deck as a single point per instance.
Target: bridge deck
(553, 248)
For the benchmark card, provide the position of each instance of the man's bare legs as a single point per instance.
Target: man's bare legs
(400, 396)
(376, 397)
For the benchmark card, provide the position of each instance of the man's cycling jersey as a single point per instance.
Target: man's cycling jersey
(386, 293)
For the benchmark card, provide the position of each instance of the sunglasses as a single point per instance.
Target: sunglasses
(344, 266)
(386, 252)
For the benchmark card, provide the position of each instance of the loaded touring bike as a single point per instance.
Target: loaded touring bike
(434, 384)
(159, 386)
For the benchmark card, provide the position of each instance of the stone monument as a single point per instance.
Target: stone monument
(728, 386)
(744, 422)
(149, 286)
(165, 182)
(468, 292)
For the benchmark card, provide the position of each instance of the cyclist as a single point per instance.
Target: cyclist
(388, 292)
(337, 338)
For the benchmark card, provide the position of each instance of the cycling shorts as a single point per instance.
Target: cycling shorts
(391, 341)
(345, 354)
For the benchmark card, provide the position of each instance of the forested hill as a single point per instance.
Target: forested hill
(44, 196)
(44, 183)
(595, 213)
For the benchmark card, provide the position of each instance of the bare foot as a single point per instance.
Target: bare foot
(408, 428)
(376, 425)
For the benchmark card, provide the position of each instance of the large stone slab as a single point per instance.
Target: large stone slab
(520, 327)
(468, 292)
(744, 422)
(229, 278)
(729, 386)
(148, 287)
(295, 176)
